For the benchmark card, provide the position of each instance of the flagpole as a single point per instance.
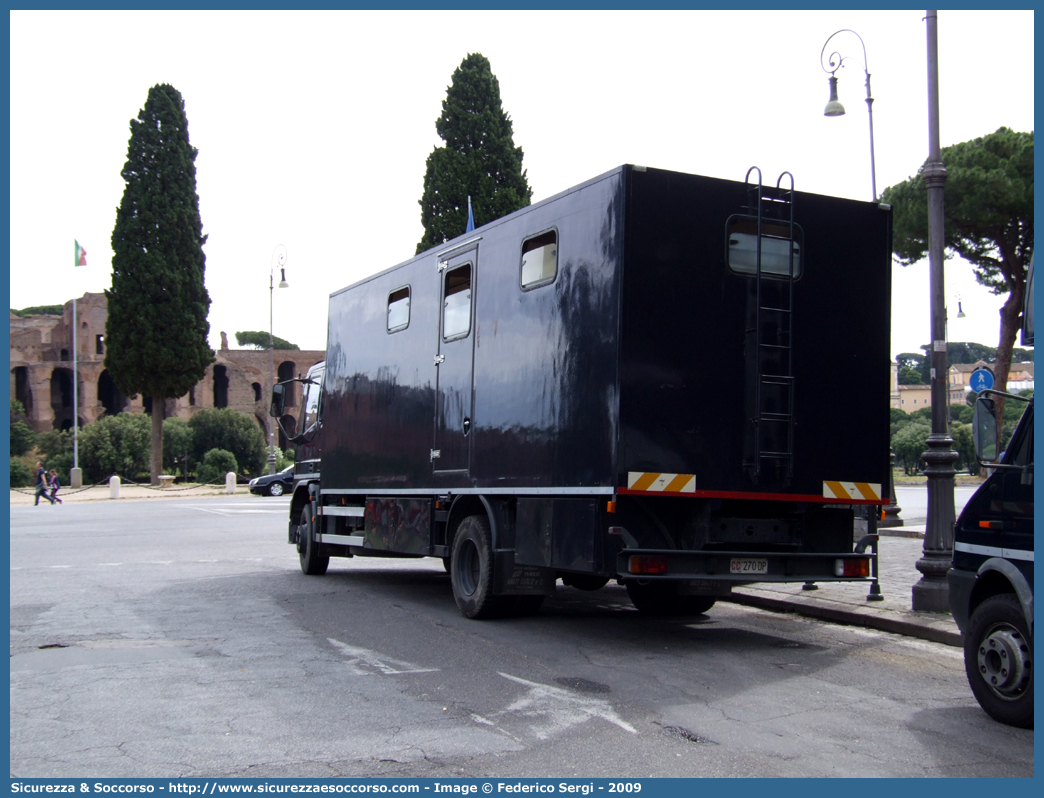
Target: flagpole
(76, 397)
(75, 475)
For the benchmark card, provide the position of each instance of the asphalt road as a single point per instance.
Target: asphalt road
(179, 638)
(913, 502)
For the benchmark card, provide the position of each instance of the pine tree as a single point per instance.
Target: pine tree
(480, 158)
(988, 202)
(156, 333)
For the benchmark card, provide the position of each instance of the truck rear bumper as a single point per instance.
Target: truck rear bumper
(739, 567)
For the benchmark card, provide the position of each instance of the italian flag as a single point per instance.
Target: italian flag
(81, 254)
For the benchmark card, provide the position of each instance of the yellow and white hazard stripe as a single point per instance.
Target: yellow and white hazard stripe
(661, 483)
(855, 491)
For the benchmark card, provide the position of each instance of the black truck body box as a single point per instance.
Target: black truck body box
(631, 374)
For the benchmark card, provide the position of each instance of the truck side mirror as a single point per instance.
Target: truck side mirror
(278, 399)
(984, 430)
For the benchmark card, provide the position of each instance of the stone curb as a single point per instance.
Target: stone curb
(914, 626)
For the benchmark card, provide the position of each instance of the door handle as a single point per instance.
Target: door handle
(467, 425)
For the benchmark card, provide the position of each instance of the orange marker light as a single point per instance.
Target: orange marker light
(852, 568)
(610, 507)
(647, 564)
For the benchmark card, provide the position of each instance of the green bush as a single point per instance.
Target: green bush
(177, 443)
(924, 414)
(284, 459)
(964, 445)
(23, 438)
(21, 474)
(909, 444)
(56, 451)
(224, 428)
(119, 444)
(216, 463)
(961, 414)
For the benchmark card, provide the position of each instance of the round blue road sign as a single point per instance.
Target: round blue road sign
(981, 380)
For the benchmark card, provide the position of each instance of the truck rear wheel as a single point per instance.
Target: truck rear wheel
(585, 581)
(661, 598)
(308, 548)
(471, 570)
(998, 658)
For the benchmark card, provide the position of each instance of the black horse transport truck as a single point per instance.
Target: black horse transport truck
(673, 381)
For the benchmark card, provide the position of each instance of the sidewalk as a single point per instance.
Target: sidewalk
(27, 496)
(898, 551)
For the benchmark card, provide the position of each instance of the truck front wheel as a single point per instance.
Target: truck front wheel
(308, 548)
(471, 570)
(998, 658)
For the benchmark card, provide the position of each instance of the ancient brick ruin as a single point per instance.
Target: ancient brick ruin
(42, 373)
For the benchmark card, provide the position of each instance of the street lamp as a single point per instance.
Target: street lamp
(278, 257)
(931, 593)
(835, 108)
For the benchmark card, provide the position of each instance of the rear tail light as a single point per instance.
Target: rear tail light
(647, 564)
(852, 568)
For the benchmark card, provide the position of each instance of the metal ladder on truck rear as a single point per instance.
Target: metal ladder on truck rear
(773, 366)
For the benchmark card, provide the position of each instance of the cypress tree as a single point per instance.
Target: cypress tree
(479, 158)
(156, 333)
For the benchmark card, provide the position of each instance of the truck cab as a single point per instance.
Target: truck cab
(991, 578)
(306, 435)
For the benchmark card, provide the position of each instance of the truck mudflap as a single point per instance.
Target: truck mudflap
(738, 567)
(513, 579)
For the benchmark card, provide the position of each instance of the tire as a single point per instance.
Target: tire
(307, 548)
(585, 581)
(471, 570)
(696, 605)
(652, 598)
(661, 598)
(275, 489)
(998, 658)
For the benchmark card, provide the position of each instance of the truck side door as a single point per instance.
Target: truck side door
(454, 361)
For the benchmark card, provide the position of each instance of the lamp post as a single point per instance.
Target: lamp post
(835, 108)
(279, 256)
(931, 593)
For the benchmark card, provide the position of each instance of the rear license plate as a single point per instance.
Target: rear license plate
(745, 566)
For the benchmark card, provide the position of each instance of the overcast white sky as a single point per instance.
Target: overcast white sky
(313, 128)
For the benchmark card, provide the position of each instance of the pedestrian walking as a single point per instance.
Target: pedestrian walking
(54, 485)
(41, 485)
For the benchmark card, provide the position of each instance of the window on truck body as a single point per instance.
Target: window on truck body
(456, 303)
(399, 309)
(742, 243)
(539, 260)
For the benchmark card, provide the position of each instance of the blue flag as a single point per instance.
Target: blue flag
(471, 218)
